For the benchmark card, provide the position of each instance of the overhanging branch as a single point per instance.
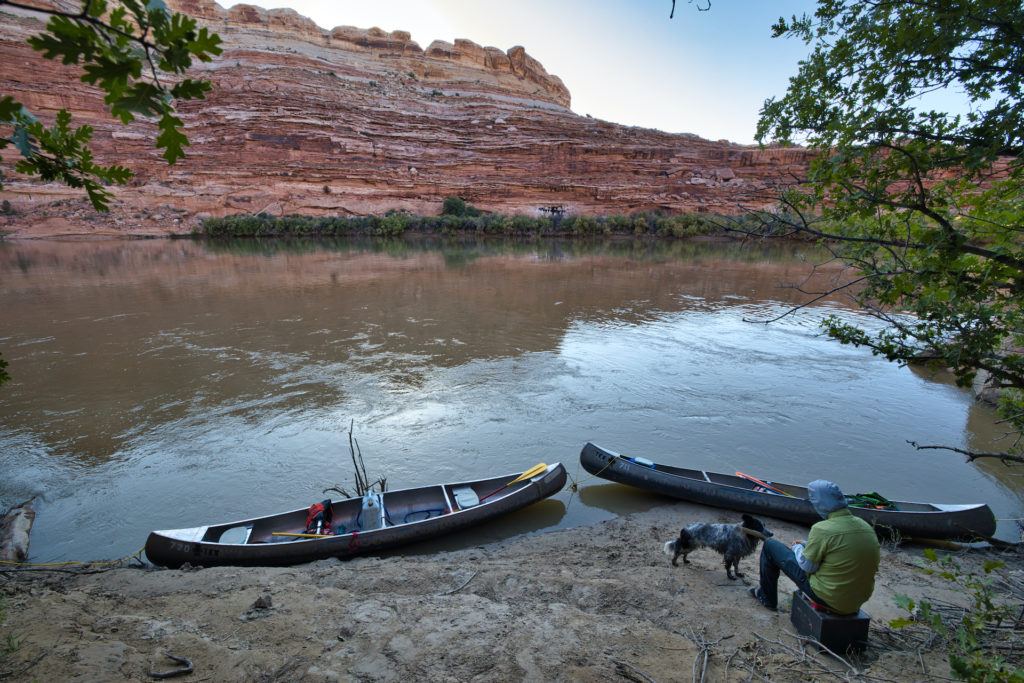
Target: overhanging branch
(1005, 458)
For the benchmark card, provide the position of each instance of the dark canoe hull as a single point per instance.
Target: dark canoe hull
(198, 546)
(916, 520)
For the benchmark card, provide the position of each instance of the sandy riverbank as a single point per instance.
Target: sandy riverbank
(590, 603)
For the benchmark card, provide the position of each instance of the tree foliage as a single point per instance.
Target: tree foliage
(136, 52)
(915, 107)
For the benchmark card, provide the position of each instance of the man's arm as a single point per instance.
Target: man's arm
(810, 555)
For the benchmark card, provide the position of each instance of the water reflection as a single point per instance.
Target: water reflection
(619, 499)
(172, 383)
(160, 331)
(542, 515)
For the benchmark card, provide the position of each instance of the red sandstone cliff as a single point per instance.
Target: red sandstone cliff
(353, 121)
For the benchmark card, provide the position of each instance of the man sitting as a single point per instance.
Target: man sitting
(835, 568)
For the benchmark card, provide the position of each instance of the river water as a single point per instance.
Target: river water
(164, 384)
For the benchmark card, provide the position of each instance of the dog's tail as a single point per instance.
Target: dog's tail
(670, 548)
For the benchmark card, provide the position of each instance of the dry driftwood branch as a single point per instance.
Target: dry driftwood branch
(184, 669)
(630, 672)
(28, 665)
(1006, 458)
(363, 483)
(704, 650)
(339, 489)
(814, 641)
(464, 584)
(802, 657)
(15, 531)
(360, 484)
(699, 8)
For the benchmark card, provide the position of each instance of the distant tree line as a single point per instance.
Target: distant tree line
(459, 217)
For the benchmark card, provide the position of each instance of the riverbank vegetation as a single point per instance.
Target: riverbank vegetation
(470, 220)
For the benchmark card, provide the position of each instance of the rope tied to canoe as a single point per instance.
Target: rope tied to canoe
(42, 566)
(574, 487)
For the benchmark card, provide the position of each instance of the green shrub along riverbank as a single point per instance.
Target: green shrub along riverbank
(468, 221)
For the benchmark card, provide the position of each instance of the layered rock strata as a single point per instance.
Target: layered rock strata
(352, 121)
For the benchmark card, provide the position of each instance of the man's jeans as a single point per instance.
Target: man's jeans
(775, 556)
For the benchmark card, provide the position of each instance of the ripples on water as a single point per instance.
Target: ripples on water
(171, 384)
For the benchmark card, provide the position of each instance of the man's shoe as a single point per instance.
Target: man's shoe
(755, 593)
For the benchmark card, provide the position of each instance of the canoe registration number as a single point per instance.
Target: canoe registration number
(196, 549)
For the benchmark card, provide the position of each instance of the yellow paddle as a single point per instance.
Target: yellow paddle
(528, 474)
(285, 533)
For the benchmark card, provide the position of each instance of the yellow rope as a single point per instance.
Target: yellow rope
(574, 489)
(576, 482)
(97, 563)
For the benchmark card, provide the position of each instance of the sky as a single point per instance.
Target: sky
(625, 61)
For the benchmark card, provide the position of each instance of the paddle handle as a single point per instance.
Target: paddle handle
(528, 474)
(498, 490)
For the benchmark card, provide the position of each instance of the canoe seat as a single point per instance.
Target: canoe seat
(236, 534)
(465, 497)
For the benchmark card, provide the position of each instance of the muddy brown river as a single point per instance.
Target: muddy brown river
(171, 383)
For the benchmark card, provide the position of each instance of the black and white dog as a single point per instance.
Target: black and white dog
(728, 539)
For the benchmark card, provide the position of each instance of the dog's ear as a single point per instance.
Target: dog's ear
(755, 524)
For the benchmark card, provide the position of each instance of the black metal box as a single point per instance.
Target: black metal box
(839, 634)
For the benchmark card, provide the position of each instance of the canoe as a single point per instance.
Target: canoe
(396, 518)
(913, 520)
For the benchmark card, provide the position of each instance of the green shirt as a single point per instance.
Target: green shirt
(845, 549)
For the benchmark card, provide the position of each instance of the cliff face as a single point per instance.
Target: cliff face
(354, 121)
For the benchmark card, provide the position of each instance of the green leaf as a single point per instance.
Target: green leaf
(190, 89)
(117, 174)
(112, 73)
(23, 141)
(930, 555)
(67, 39)
(992, 565)
(96, 8)
(98, 196)
(140, 98)
(900, 622)
(171, 139)
(9, 109)
(205, 44)
(905, 602)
